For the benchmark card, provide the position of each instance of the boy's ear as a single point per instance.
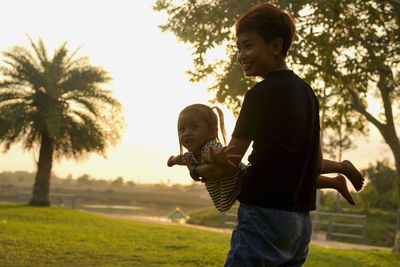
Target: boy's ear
(277, 44)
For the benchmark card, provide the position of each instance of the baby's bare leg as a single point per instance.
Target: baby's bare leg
(338, 183)
(347, 168)
(355, 177)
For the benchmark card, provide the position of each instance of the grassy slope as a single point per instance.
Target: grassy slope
(53, 236)
(157, 200)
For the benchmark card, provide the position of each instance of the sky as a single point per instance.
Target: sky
(148, 69)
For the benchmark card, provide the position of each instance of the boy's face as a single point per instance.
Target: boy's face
(256, 57)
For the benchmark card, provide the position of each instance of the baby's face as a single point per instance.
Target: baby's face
(193, 131)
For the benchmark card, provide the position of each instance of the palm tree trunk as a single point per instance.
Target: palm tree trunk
(41, 189)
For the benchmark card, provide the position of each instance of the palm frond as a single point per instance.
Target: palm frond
(59, 55)
(20, 67)
(58, 62)
(11, 84)
(90, 107)
(77, 76)
(83, 134)
(40, 51)
(9, 97)
(13, 123)
(69, 62)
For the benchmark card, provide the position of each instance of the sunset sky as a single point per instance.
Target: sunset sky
(148, 68)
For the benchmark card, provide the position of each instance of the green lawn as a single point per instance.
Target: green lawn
(32, 236)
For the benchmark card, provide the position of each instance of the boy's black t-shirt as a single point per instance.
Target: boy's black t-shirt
(281, 116)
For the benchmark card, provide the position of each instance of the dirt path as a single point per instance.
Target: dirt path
(343, 245)
(162, 221)
(324, 243)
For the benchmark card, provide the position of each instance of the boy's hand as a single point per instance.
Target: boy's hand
(222, 156)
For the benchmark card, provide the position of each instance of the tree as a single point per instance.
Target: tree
(349, 48)
(382, 181)
(336, 135)
(68, 180)
(84, 179)
(131, 183)
(57, 105)
(118, 182)
(334, 141)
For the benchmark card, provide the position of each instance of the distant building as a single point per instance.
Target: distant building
(178, 216)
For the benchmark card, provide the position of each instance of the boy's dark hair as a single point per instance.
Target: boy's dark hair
(210, 118)
(269, 22)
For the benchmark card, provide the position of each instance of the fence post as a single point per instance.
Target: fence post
(316, 220)
(365, 230)
(73, 202)
(329, 227)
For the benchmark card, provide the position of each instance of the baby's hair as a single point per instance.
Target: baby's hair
(269, 22)
(210, 117)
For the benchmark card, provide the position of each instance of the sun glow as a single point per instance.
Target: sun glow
(148, 69)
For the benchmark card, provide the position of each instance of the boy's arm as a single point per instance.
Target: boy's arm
(320, 160)
(176, 160)
(225, 161)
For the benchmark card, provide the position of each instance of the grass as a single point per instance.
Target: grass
(159, 201)
(34, 236)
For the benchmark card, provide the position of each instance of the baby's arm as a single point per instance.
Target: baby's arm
(225, 161)
(176, 160)
(222, 156)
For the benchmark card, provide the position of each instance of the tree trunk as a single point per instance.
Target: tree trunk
(394, 144)
(393, 141)
(388, 132)
(338, 204)
(41, 189)
(396, 247)
(390, 136)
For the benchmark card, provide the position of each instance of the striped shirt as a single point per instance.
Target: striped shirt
(223, 191)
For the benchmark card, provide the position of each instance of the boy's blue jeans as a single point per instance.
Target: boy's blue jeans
(269, 237)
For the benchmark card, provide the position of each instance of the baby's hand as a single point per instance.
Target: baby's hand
(170, 161)
(222, 156)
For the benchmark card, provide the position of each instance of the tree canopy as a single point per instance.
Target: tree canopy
(347, 50)
(340, 45)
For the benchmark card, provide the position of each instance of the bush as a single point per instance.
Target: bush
(209, 216)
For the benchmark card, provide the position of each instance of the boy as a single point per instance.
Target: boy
(280, 116)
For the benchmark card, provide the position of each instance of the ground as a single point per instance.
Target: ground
(324, 243)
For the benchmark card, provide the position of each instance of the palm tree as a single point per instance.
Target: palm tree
(55, 105)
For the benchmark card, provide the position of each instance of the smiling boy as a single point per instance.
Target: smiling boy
(280, 116)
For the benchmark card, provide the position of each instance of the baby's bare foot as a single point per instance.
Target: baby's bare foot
(343, 190)
(355, 177)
